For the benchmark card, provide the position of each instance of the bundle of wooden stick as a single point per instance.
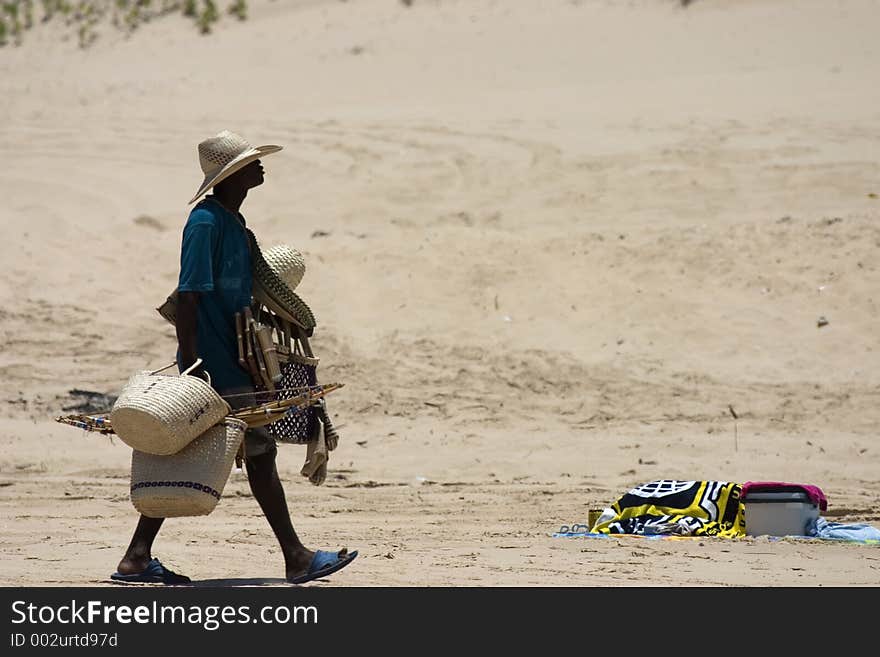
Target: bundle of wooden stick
(263, 414)
(254, 416)
(99, 423)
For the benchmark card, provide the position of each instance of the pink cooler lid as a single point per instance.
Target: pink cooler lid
(813, 492)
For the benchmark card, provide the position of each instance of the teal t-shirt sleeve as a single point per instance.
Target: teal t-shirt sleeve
(196, 261)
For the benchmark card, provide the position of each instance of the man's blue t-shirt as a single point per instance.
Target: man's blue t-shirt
(215, 261)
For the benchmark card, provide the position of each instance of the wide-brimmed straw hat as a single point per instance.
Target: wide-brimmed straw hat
(288, 263)
(273, 276)
(224, 154)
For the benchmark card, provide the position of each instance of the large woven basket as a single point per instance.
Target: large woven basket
(161, 414)
(190, 482)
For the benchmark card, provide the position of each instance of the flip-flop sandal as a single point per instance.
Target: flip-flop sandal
(154, 573)
(324, 563)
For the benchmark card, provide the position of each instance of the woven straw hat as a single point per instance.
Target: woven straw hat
(191, 481)
(288, 263)
(272, 290)
(224, 154)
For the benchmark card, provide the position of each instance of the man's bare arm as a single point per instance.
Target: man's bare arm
(187, 321)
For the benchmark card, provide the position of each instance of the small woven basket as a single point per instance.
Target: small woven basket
(297, 427)
(190, 482)
(161, 414)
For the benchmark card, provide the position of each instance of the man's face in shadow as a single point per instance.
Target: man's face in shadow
(252, 174)
(248, 177)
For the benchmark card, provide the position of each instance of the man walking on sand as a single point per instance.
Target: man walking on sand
(216, 282)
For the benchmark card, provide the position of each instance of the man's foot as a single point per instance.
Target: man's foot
(154, 573)
(323, 564)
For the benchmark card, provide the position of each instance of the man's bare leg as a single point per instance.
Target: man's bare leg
(267, 489)
(138, 555)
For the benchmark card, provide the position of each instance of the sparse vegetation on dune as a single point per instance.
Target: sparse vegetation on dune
(85, 18)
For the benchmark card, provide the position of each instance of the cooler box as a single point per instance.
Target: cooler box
(779, 512)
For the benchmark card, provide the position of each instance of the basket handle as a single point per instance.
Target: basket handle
(162, 369)
(191, 367)
(186, 371)
(194, 366)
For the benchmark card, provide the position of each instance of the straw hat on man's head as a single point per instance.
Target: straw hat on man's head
(224, 154)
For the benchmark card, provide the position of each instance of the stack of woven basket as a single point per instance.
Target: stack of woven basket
(183, 442)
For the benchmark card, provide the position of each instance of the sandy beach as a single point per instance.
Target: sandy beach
(549, 246)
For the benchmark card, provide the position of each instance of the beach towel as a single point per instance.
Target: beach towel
(672, 507)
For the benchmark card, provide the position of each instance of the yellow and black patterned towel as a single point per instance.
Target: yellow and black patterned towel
(683, 508)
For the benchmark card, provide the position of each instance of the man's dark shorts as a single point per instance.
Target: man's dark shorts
(257, 441)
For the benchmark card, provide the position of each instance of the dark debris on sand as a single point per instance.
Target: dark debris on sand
(89, 401)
